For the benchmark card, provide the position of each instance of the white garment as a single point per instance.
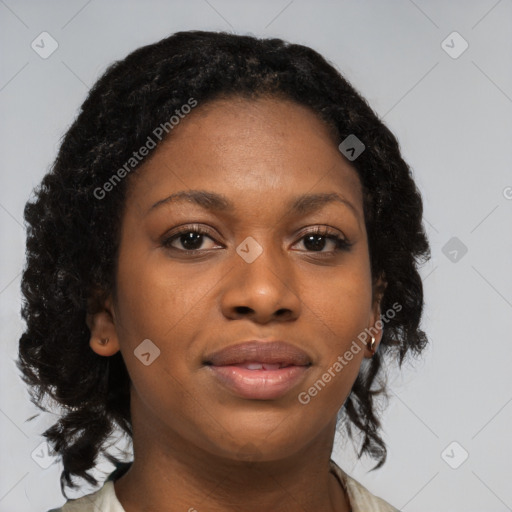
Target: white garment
(105, 499)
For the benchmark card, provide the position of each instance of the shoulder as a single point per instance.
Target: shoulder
(361, 499)
(103, 499)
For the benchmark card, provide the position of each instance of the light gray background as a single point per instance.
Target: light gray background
(453, 120)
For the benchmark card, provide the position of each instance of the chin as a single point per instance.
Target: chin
(258, 448)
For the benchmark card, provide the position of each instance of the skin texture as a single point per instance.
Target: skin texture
(196, 444)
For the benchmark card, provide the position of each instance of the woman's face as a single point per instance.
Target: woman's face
(258, 273)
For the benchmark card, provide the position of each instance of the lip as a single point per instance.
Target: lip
(283, 366)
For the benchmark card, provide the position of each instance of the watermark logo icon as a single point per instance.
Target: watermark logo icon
(44, 45)
(454, 45)
(42, 455)
(351, 147)
(454, 249)
(249, 249)
(454, 455)
(147, 352)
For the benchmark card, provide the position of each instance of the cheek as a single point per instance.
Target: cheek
(341, 301)
(339, 313)
(165, 305)
(154, 298)
(339, 306)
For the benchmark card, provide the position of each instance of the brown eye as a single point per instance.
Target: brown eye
(317, 239)
(188, 240)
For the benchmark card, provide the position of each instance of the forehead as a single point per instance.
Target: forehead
(247, 148)
(268, 123)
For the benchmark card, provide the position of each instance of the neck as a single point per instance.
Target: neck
(171, 474)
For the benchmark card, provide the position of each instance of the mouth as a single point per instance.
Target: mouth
(259, 370)
(262, 366)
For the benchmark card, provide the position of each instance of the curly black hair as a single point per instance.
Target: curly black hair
(73, 235)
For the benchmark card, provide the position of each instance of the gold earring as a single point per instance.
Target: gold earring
(371, 346)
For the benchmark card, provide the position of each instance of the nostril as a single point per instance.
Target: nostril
(243, 309)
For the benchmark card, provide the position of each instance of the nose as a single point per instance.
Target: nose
(264, 290)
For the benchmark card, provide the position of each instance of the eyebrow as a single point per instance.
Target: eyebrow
(213, 201)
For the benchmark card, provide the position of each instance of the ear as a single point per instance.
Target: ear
(101, 322)
(375, 327)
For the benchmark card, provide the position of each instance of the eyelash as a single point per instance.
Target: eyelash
(341, 244)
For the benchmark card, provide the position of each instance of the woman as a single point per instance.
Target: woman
(220, 262)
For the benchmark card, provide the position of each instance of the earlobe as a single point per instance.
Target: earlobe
(374, 333)
(375, 330)
(103, 340)
(372, 343)
(104, 346)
